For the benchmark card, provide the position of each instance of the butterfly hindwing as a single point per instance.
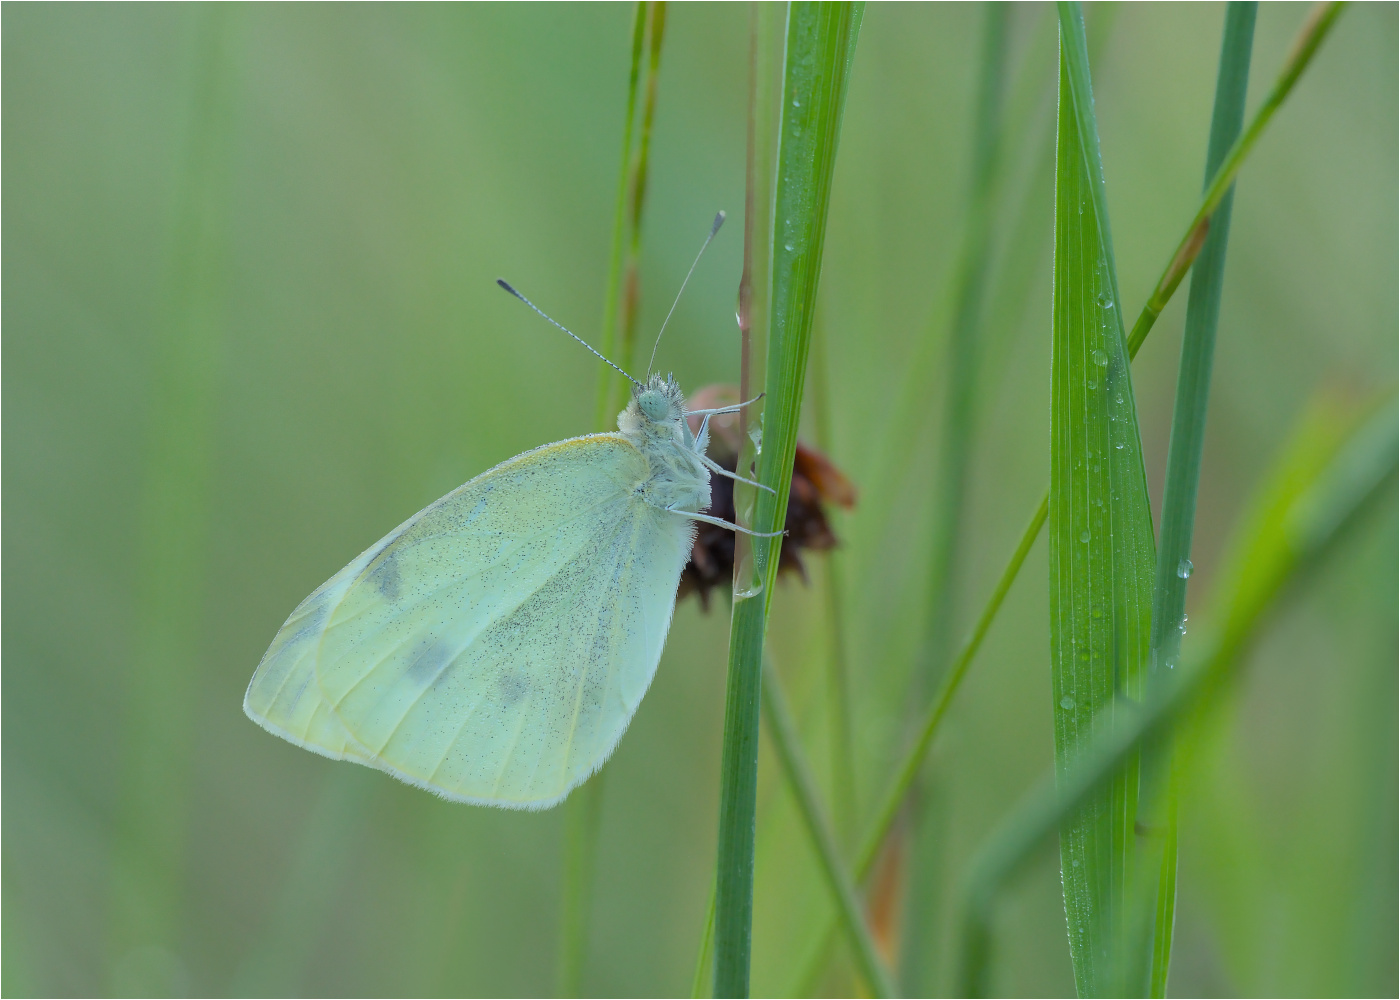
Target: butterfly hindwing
(494, 647)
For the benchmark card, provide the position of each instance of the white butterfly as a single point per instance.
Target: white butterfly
(493, 648)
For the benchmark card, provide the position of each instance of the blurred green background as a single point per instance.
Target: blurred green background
(251, 325)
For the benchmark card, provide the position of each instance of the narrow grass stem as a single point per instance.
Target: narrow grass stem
(701, 980)
(908, 771)
(912, 762)
(582, 817)
(608, 340)
(1187, 443)
(783, 731)
(631, 280)
(1305, 46)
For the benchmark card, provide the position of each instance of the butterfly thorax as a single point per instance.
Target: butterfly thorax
(654, 421)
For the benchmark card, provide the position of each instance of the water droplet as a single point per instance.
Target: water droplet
(796, 103)
(1075, 864)
(1093, 383)
(1084, 535)
(787, 247)
(1101, 358)
(1119, 446)
(1067, 703)
(1184, 568)
(1105, 300)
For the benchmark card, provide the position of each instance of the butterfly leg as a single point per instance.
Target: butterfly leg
(723, 409)
(723, 524)
(714, 466)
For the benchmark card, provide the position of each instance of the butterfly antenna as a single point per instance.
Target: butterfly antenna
(506, 285)
(719, 221)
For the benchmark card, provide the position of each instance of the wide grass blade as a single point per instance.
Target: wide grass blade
(821, 40)
(1102, 555)
(1188, 438)
(1324, 480)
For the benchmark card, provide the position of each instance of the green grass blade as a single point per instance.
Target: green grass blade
(1305, 46)
(631, 291)
(144, 929)
(1324, 480)
(1198, 348)
(1188, 434)
(1102, 555)
(583, 813)
(783, 731)
(607, 343)
(820, 45)
(699, 986)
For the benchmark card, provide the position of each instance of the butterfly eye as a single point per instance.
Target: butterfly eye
(654, 405)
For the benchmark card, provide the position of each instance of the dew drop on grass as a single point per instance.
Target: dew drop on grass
(1105, 300)
(1084, 535)
(1067, 703)
(787, 247)
(1101, 358)
(1184, 568)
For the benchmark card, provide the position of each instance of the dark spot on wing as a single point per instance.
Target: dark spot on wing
(513, 688)
(431, 662)
(309, 623)
(385, 577)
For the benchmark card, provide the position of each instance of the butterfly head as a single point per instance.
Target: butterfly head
(659, 400)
